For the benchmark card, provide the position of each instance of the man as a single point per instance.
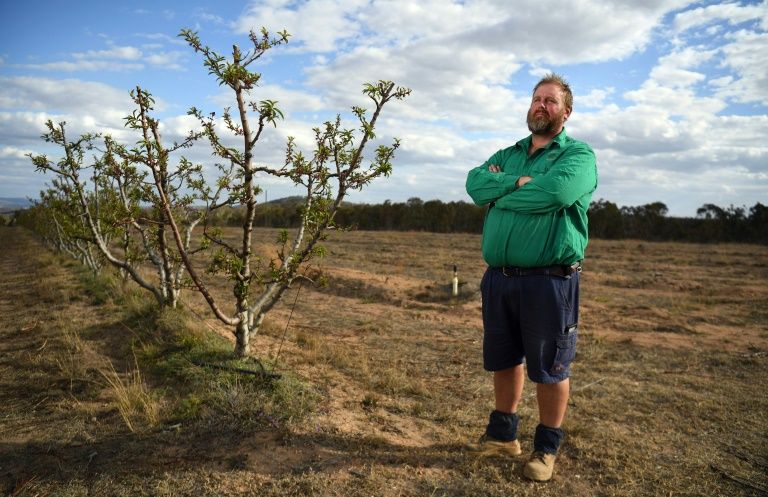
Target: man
(534, 238)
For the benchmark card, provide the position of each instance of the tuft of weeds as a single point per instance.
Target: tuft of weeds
(305, 341)
(344, 357)
(135, 302)
(68, 357)
(102, 287)
(393, 379)
(370, 401)
(134, 400)
(53, 295)
(249, 403)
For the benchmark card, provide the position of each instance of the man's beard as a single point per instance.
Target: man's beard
(542, 124)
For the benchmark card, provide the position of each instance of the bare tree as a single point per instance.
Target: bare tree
(335, 167)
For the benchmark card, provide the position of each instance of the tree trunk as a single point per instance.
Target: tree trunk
(243, 337)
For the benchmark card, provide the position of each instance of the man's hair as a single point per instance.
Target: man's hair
(562, 83)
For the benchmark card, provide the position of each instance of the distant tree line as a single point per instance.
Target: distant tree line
(650, 222)
(606, 220)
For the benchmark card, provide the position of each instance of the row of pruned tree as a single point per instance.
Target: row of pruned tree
(137, 206)
(606, 219)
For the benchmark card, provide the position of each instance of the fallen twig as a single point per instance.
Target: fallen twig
(30, 327)
(22, 487)
(584, 387)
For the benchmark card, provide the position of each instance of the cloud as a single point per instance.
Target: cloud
(316, 26)
(739, 51)
(595, 99)
(120, 53)
(162, 37)
(463, 58)
(527, 29)
(524, 29)
(204, 15)
(290, 101)
(745, 56)
(85, 65)
(14, 152)
(26, 103)
(673, 95)
(673, 70)
(456, 87)
(463, 82)
(62, 95)
(732, 13)
(681, 191)
(121, 58)
(168, 60)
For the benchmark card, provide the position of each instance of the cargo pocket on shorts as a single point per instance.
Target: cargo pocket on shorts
(565, 352)
(564, 290)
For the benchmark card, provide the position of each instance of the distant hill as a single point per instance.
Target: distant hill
(13, 203)
(295, 199)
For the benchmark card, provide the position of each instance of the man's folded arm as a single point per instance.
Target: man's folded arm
(570, 178)
(484, 186)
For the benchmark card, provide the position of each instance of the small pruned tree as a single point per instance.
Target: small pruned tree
(335, 167)
(101, 201)
(180, 184)
(64, 229)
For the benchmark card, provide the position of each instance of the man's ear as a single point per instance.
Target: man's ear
(567, 114)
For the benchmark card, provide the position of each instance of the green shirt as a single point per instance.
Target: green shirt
(544, 222)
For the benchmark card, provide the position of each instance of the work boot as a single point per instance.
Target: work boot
(500, 436)
(546, 443)
(540, 466)
(489, 446)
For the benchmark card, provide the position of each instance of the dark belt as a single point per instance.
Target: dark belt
(558, 270)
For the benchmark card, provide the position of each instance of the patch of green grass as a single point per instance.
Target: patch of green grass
(203, 382)
(101, 288)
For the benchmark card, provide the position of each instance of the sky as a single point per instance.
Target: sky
(672, 95)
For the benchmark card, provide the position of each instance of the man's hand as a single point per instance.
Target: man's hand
(523, 180)
(494, 168)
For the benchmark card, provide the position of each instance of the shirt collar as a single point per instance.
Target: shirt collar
(558, 140)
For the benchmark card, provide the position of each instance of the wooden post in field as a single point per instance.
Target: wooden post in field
(455, 289)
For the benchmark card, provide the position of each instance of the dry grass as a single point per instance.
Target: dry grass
(134, 400)
(382, 383)
(68, 355)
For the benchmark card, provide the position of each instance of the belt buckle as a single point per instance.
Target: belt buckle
(504, 271)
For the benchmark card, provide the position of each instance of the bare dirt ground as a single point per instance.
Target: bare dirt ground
(669, 389)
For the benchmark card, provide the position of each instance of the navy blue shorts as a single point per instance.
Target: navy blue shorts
(532, 319)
